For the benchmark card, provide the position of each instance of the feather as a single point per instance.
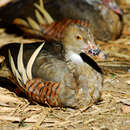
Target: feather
(33, 23)
(40, 18)
(31, 61)
(40, 7)
(20, 65)
(14, 70)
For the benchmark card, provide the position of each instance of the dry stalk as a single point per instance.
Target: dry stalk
(44, 114)
(41, 8)
(4, 2)
(16, 119)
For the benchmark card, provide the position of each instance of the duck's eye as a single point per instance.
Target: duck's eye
(78, 37)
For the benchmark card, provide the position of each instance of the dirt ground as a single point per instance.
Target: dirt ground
(111, 113)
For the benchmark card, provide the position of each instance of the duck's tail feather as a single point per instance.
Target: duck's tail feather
(31, 61)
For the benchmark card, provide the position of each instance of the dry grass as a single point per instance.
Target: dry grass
(18, 113)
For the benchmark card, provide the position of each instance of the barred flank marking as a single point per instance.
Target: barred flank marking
(29, 84)
(46, 83)
(36, 93)
(57, 91)
(79, 22)
(41, 91)
(56, 85)
(33, 93)
(58, 28)
(56, 96)
(52, 31)
(66, 23)
(48, 92)
(49, 28)
(55, 30)
(53, 95)
(31, 88)
(43, 94)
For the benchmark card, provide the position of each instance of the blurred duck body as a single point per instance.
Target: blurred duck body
(101, 14)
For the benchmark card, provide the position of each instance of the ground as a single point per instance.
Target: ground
(111, 113)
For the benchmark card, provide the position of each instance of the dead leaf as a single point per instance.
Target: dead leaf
(4, 2)
(126, 109)
(126, 102)
(128, 82)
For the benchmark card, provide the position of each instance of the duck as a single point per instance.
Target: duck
(48, 79)
(64, 80)
(110, 4)
(103, 15)
(74, 83)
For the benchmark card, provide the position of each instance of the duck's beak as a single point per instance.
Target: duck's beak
(92, 48)
(113, 5)
(117, 10)
(96, 53)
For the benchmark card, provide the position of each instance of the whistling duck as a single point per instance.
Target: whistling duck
(75, 37)
(101, 14)
(104, 23)
(56, 81)
(79, 84)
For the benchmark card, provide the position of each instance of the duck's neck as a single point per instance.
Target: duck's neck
(75, 58)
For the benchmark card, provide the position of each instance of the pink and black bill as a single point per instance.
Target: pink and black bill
(92, 48)
(96, 53)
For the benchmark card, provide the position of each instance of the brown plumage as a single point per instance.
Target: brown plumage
(55, 81)
(78, 30)
(54, 93)
(74, 77)
(56, 29)
(42, 92)
(62, 84)
(104, 23)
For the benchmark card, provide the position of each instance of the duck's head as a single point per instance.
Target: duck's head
(79, 39)
(113, 5)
